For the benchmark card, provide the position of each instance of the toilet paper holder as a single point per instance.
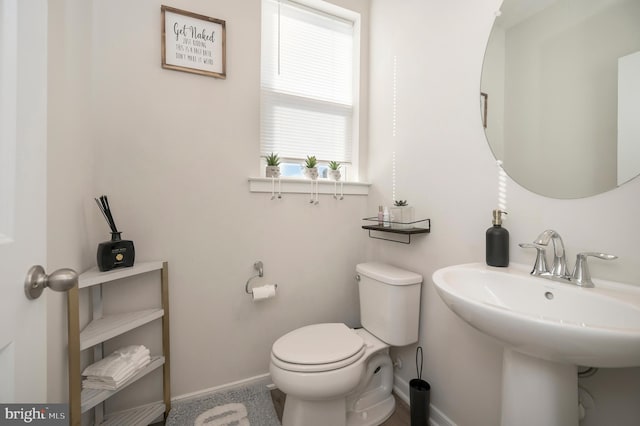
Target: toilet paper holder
(258, 266)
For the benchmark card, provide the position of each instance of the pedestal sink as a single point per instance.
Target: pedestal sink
(547, 328)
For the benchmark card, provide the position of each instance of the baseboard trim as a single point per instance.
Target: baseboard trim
(261, 379)
(436, 417)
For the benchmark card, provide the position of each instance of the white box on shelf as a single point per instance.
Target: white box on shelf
(401, 217)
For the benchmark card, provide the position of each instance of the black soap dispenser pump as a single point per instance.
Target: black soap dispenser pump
(497, 242)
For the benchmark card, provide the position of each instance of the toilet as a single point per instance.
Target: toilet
(338, 376)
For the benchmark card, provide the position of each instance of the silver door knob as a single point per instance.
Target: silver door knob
(60, 280)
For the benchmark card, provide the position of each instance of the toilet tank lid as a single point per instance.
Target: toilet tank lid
(388, 274)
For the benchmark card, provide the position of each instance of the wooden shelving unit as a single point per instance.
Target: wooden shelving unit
(102, 328)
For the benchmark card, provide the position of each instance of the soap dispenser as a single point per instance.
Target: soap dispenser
(497, 242)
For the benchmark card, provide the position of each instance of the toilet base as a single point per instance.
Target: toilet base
(333, 412)
(314, 413)
(373, 415)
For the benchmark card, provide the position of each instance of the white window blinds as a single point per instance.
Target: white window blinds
(307, 82)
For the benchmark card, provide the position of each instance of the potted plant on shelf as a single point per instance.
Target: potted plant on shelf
(334, 170)
(273, 166)
(311, 167)
(401, 215)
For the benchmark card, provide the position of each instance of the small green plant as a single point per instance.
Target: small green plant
(334, 165)
(273, 160)
(311, 162)
(400, 203)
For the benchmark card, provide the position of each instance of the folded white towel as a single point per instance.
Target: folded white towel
(116, 368)
(133, 351)
(111, 383)
(117, 361)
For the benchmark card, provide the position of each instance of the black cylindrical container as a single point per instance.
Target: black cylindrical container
(497, 241)
(420, 392)
(419, 395)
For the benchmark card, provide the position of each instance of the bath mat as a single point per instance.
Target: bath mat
(246, 406)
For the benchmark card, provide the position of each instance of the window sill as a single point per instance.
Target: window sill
(303, 186)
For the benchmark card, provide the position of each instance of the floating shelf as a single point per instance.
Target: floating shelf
(404, 229)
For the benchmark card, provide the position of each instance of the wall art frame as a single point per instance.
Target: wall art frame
(193, 43)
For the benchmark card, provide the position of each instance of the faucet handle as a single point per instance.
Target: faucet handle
(581, 275)
(540, 267)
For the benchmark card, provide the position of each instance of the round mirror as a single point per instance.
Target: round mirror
(560, 94)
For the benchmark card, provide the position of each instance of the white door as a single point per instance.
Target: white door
(23, 132)
(628, 109)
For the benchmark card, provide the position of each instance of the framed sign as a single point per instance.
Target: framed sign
(193, 43)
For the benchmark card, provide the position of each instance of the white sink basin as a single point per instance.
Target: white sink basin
(547, 328)
(596, 327)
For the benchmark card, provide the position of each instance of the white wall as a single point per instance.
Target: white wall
(173, 152)
(446, 171)
(69, 169)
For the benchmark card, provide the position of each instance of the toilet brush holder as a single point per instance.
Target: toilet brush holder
(420, 395)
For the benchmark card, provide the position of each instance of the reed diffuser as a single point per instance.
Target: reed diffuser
(116, 253)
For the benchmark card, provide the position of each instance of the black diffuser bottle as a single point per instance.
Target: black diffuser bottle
(497, 242)
(116, 253)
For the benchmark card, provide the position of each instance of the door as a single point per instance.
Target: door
(23, 133)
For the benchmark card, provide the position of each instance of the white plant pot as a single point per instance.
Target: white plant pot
(272, 171)
(335, 175)
(311, 173)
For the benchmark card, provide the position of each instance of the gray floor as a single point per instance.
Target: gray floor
(400, 417)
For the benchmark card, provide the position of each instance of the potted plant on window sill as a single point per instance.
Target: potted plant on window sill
(273, 166)
(311, 167)
(334, 170)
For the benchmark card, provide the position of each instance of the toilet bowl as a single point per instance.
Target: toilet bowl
(333, 375)
(338, 376)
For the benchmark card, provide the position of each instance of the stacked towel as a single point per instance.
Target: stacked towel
(112, 371)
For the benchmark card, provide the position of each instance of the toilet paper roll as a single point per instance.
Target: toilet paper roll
(264, 292)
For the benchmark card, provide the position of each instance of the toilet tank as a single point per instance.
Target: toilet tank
(389, 302)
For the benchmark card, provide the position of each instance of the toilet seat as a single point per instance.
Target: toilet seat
(318, 347)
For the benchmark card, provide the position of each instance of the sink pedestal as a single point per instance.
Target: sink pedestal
(536, 392)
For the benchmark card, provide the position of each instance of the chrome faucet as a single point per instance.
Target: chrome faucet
(559, 268)
(580, 276)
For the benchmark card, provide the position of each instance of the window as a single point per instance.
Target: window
(309, 81)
